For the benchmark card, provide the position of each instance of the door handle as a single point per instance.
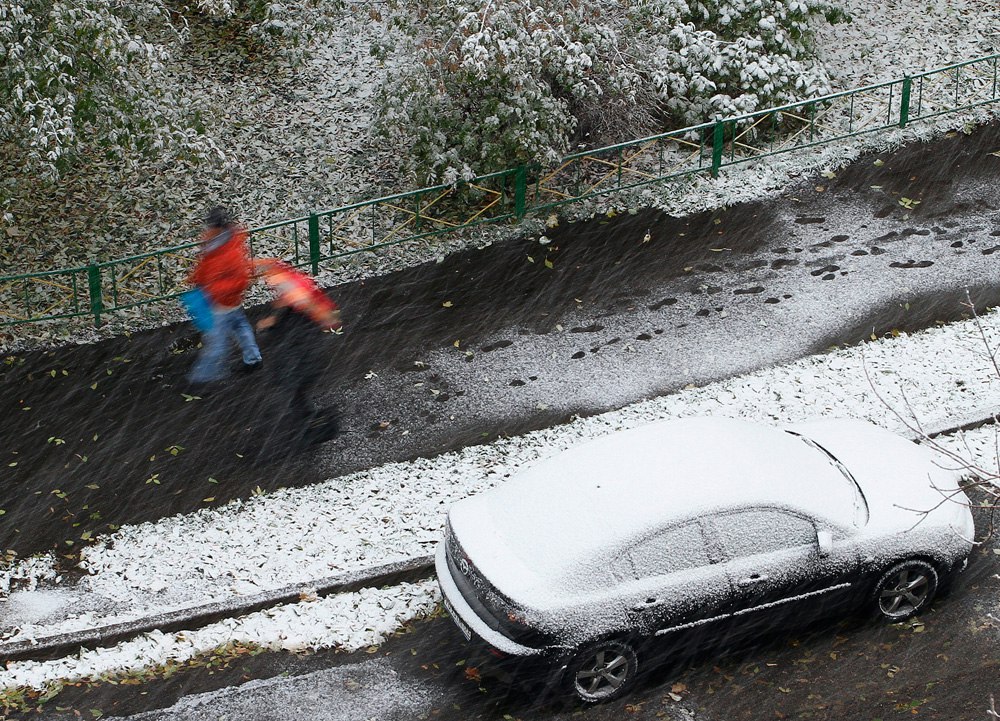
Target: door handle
(751, 580)
(647, 604)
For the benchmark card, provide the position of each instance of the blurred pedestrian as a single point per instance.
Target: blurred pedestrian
(299, 326)
(223, 273)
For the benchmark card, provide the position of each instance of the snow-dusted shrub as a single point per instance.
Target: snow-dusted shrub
(495, 84)
(282, 27)
(77, 78)
(729, 57)
(83, 84)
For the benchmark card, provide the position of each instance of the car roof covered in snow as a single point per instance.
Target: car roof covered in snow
(591, 499)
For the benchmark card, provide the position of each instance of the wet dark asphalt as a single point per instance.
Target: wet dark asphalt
(495, 342)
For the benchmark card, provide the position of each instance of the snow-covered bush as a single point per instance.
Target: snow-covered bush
(729, 57)
(83, 84)
(495, 84)
(281, 26)
(77, 78)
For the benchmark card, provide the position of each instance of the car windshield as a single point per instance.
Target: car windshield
(860, 504)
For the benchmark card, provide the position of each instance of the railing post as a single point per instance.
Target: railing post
(718, 137)
(314, 242)
(904, 101)
(96, 301)
(520, 191)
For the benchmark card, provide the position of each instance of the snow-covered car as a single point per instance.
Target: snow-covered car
(683, 527)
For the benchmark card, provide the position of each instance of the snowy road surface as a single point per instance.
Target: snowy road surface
(367, 691)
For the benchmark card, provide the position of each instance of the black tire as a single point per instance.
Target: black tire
(905, 590)
(602, 671)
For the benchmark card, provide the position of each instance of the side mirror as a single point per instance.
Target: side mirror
(825, 541)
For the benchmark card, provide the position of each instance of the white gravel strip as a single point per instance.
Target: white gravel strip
(349, 621)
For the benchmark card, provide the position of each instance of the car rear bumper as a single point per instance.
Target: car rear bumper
(468, 622)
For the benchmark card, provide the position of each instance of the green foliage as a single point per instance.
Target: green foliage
(265, 26)
(84, 80)
(492, 86)
(77, 78)
(729, 57)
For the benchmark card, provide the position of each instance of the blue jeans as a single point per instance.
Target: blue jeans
(226, 323)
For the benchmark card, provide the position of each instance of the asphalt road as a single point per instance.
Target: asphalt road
(514, 337)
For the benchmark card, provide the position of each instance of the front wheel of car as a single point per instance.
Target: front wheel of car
(603, 671)
(905, 590)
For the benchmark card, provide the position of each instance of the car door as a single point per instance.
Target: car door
(776, 567)
(675, 583)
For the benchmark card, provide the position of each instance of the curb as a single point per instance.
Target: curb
(970, 422)
(385, 575)
(47, 647)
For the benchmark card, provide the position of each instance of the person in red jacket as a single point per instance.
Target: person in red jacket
(224, 272)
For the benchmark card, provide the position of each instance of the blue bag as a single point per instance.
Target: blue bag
(199, 308)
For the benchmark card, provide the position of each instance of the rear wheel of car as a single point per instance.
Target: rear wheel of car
(602, 671)
(905, 590)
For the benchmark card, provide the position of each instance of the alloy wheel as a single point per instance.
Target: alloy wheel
(604, 672)
(906, 589)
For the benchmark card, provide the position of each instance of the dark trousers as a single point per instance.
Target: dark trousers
(298, 358)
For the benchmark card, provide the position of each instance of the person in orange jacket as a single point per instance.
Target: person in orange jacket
(295, 290)
(223, 273)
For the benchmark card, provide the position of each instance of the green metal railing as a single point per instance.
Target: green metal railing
(510, 195)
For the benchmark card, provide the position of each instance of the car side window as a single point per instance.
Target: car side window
(763, 530)
(673, 550)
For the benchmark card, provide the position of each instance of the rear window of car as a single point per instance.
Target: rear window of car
(675, 549)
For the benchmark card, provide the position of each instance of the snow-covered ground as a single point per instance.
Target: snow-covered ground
(396, 511)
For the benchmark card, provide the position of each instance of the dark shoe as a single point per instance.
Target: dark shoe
(250, 367)
(322, 425)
